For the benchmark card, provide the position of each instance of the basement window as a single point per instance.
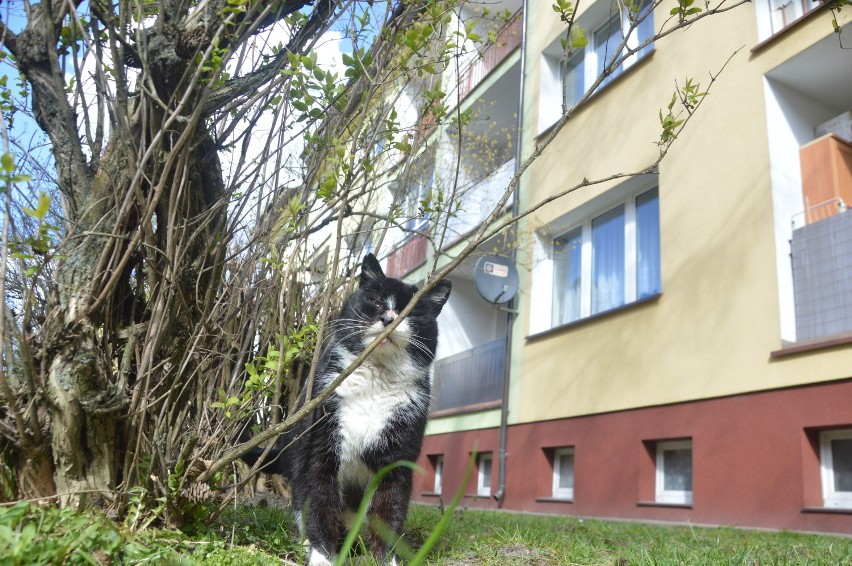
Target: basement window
(674, 472)
(836, 468)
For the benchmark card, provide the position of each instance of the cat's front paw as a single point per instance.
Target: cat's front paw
(317, 558)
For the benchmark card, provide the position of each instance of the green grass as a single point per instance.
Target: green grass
(488, 537)
(30, 534)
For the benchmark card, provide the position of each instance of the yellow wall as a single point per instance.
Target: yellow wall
(713, 329)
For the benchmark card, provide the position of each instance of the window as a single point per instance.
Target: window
(590, 62)
(608, 260)
(674, 472)
(785, 12)
(575, 78)
(412, 208)
(836, 465)
(483, 483)
(606, 25)
(563, 473)
(439, 472)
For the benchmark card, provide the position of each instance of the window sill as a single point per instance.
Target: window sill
(828, 510)
(793, 348)
(476, 496)
(554, 500)
(664, 504)
(475, 408)
(596, 317)
(429, 494)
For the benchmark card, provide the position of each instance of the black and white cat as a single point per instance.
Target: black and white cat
(377, 416)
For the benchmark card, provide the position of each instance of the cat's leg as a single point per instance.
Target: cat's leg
(322, 520)
(389, 508)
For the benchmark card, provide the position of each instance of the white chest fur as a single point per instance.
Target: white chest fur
(366, 400)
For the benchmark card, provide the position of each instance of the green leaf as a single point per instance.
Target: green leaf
(41, 210)
(7, 162)
(328, 185)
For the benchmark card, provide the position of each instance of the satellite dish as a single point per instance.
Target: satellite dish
(496, 278)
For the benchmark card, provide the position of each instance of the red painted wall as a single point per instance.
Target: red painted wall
(755, 461)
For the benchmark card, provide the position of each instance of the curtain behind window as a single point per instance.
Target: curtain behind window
(608, 260)
(648, 244)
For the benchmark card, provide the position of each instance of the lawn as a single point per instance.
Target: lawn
(261, 535)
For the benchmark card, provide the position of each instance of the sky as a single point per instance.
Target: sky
(24, 129)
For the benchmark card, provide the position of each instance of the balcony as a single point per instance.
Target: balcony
(508, 38)
(408, 256)
(472, 379)
(478, 201)
(822, 262)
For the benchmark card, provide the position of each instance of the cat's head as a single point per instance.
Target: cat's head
(377, 303)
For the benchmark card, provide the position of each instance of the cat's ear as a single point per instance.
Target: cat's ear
(439, 294)
(370, 269)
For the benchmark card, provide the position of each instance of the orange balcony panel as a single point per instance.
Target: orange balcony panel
(826, 176)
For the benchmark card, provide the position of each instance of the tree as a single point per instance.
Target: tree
(179, 295)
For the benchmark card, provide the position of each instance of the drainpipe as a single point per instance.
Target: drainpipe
(500, 494)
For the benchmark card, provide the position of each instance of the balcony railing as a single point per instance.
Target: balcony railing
(472, 377)
(508, 38)
(478, 201)
(408, 256)
(822, 261)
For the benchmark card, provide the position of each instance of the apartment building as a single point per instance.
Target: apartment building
(682, 344)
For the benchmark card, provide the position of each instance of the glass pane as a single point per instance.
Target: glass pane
(677, 469)
(566, 277)
(574, 79)
(645, 29)
(607, 39)
(841, 460)
(608, 260)
(485, 472)
(566, 470)
(648, 244)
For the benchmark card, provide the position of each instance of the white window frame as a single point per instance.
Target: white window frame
(557, 492)
(439, 473)
(483, 489)
(831, 497)
(543, 285)
(674, 496)
(767, 13)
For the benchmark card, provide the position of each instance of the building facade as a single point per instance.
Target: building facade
(682, 349)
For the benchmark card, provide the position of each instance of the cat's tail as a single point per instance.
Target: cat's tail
(274, 463)
(276, 460)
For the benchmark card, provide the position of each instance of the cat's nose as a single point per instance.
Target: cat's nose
(388, 317)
